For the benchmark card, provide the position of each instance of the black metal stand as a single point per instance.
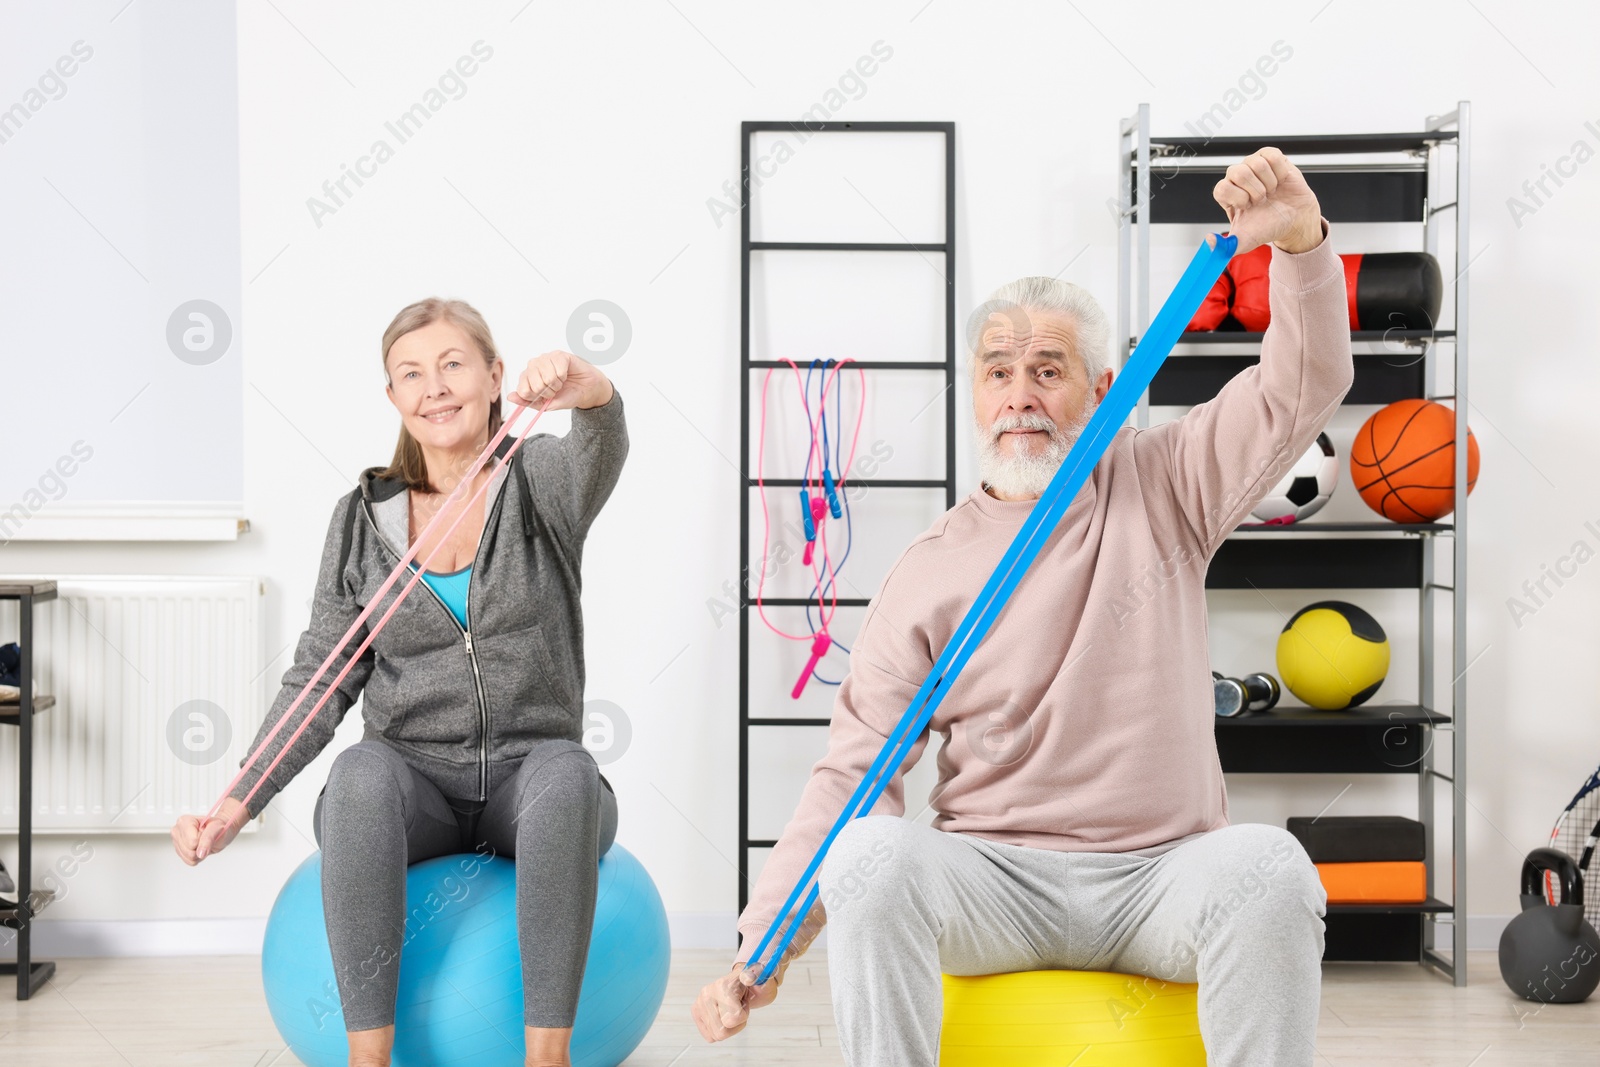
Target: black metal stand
(18, 914)
(746, 365)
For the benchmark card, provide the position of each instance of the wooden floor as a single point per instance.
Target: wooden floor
(207, 1011)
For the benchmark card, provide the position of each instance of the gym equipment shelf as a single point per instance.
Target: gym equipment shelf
(13, 710)
(1159, 183)
(1410, 338)
(18, 914)
(1379, 379)
(1377, 527)
(1300, 144)
(1280, 562)
(946, 248)
(1430, 905)
(1363, 715)
(1354, 193)
(1386, 739)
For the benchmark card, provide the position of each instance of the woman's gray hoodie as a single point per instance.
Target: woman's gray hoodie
(463, 704)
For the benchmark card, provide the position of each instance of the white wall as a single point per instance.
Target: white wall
(120, 141)
(578, 164)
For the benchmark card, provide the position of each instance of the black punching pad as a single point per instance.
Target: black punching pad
(1394, 290)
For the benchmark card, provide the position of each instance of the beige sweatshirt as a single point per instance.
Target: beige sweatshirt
(1084, 721)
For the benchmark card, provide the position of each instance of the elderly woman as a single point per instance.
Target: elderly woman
(473, 689)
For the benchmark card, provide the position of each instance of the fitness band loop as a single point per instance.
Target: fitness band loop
(377, 599)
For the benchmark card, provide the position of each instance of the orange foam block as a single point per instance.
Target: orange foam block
(1374, 883)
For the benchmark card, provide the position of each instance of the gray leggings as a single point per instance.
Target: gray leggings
(378, 814)
(1238, 910)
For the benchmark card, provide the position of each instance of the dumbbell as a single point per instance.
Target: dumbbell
(1235, 696)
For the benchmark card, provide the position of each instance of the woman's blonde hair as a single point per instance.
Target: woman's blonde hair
(408, 464)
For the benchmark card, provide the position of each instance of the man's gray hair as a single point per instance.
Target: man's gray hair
(1092, 340)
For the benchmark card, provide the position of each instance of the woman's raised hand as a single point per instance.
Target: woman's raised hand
(194, 842)
(564, 380)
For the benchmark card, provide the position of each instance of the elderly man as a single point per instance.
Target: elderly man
(1082, 821)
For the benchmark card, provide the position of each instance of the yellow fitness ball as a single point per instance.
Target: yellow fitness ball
(1085, 1018)
(1332, 655)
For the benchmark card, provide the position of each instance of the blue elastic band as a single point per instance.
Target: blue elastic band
(1180, 307)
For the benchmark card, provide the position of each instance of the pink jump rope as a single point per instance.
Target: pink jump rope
(394, 575)
(819, 497)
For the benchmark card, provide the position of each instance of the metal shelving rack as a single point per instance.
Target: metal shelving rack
(1170, 180)
(947, 248)
(18, 914)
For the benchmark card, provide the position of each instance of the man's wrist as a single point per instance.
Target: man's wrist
(1305, 238)
(777, 972)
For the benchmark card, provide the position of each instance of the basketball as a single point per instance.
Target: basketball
(1403, 461)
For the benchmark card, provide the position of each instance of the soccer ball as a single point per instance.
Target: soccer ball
(1305, 488)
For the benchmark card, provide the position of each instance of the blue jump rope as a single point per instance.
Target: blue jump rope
(1180, 307)
(825, 587)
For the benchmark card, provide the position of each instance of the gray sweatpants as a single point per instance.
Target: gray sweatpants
(378, 814)
(1238, 910)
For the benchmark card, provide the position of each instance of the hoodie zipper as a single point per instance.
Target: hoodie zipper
(477, 681)
(466, 633)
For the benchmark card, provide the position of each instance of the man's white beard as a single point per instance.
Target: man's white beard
(1027, 474)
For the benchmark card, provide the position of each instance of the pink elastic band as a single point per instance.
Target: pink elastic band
(394, 575)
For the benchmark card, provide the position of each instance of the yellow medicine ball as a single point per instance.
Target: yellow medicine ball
(1085, 1018)
(1332, 655)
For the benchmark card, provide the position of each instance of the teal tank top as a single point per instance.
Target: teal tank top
(452, 589)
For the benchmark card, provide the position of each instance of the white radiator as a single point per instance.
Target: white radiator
(158, 690)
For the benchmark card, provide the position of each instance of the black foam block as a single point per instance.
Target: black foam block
(1360, 838)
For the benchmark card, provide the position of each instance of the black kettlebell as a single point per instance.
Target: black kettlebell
(1550, 954)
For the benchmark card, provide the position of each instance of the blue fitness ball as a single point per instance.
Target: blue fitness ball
(460, 995)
